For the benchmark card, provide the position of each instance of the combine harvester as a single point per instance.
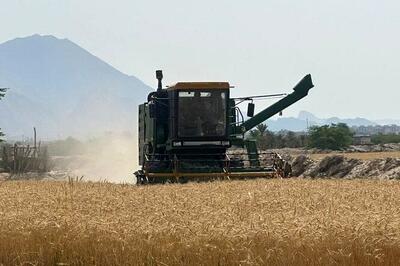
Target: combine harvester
(195, 131)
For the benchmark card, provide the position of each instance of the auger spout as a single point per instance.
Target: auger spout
(300, 91)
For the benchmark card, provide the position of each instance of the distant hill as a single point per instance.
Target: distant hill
(305, 119)
(63, 89)
(388, 121)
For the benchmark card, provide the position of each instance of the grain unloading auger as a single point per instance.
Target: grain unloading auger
(188, 130)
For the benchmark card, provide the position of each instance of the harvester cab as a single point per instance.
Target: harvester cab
(195, 131)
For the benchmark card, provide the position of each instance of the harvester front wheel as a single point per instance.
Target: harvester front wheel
(141, 178)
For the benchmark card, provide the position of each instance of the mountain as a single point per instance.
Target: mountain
(62, 89)
(307, 119)
(304, 116)
(387, 122)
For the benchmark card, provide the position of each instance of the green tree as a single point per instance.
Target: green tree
(262, 128)
(332, 137)
(303, 140)
(258, 131)
(269, 140)
(385, 138)
(292, 141)
(264, 137)
(2, 93)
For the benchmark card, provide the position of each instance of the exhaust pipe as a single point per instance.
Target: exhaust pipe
(159, 77)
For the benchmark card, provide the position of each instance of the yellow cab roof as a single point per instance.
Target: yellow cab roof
(199, 86)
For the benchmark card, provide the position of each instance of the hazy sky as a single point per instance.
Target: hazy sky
(352, 48)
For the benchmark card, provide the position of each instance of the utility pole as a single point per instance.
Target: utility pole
(34, 142)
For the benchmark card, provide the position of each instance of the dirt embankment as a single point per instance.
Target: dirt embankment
(341, 166)
(354, 149)
(363, 161)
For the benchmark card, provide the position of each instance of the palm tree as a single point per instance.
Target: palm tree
(262, 128)
(261, 135)
(2, 93)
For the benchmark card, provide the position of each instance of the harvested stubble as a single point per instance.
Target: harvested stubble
(286, 222)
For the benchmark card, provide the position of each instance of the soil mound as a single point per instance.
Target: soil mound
(342, 167)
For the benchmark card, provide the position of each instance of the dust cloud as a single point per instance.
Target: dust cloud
(112, 158)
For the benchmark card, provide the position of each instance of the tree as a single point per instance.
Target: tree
(2, 93)
(269, 140)
(385, 138)
(262, 128)
(292, 141)
(264, 137)
(332, 137)
(259, 131)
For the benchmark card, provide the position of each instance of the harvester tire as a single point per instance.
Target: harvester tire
(141, 178)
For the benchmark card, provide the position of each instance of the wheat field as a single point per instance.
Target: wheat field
(253, 222)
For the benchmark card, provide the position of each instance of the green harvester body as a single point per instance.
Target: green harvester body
(195, 131)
